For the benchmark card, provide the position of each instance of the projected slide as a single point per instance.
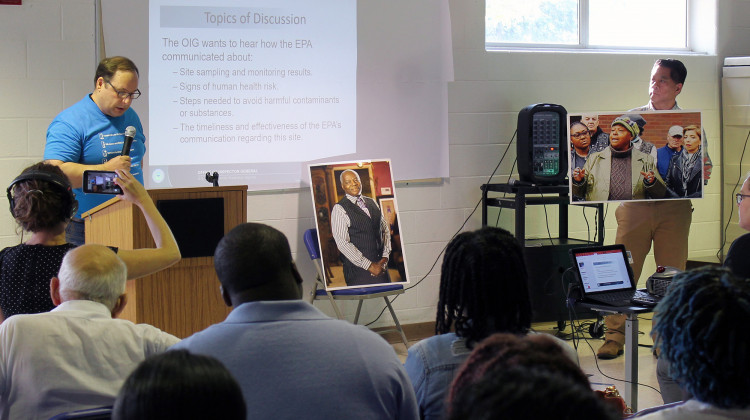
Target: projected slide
(270, 83)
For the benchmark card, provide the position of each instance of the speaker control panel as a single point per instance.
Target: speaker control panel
(545, 143)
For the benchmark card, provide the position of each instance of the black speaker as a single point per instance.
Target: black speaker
(547, 288)
(542, 146)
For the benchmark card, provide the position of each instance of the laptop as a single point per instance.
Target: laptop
(605, 276)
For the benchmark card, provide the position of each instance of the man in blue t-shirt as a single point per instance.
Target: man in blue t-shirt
(90, 135)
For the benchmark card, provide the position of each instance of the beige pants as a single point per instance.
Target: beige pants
(667, 224)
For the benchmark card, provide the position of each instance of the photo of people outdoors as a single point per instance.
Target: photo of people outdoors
(358, 226)
(645, 155)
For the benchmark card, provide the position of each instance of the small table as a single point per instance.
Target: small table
(630, 392)
(517, 198)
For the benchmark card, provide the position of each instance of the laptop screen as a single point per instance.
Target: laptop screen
(603, 269)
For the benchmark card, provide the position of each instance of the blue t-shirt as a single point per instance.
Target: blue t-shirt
(84, 134)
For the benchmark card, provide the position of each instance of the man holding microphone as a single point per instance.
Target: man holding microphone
(90, 135)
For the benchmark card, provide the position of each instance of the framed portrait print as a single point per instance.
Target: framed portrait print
(358, 227)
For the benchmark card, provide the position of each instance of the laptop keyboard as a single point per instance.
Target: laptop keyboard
(623, 296)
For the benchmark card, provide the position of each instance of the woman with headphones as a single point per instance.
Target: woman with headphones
(42, 202)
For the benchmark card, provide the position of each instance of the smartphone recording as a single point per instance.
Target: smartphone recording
(100, 182)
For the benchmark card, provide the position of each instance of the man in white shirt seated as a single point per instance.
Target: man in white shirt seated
(78, 355)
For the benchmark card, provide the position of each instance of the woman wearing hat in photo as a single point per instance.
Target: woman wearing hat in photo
(619, 172)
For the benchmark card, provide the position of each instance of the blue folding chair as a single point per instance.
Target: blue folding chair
(310, 238)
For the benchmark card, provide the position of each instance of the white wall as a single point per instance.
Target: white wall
(48, 64)
(733, 28)
(734, 40)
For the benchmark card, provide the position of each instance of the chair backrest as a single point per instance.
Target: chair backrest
(99, 413)
(310, 238)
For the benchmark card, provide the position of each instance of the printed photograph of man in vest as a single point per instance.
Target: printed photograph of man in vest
(651, 155)
(358, 226)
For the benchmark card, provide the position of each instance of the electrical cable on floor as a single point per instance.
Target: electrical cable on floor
(596, 361)
(573, 316)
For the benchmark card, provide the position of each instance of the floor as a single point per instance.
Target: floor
(602, 373)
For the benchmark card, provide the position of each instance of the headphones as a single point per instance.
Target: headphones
(55, 180)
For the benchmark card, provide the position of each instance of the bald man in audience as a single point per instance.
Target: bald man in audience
(78, 355)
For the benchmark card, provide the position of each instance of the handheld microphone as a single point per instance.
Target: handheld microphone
(129, 134)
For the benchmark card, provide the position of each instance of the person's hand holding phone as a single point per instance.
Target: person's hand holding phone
(132, 190)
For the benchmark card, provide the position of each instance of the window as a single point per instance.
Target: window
(592, 24)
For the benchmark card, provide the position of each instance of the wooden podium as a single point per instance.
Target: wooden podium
(183, 298)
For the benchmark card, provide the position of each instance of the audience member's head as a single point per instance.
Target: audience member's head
(91, 272)
(180, 385)
(254, 262)
(509, 376)
(41, 199)
(501, 351)
(702, 335)
(483, 286)
(528, 393)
